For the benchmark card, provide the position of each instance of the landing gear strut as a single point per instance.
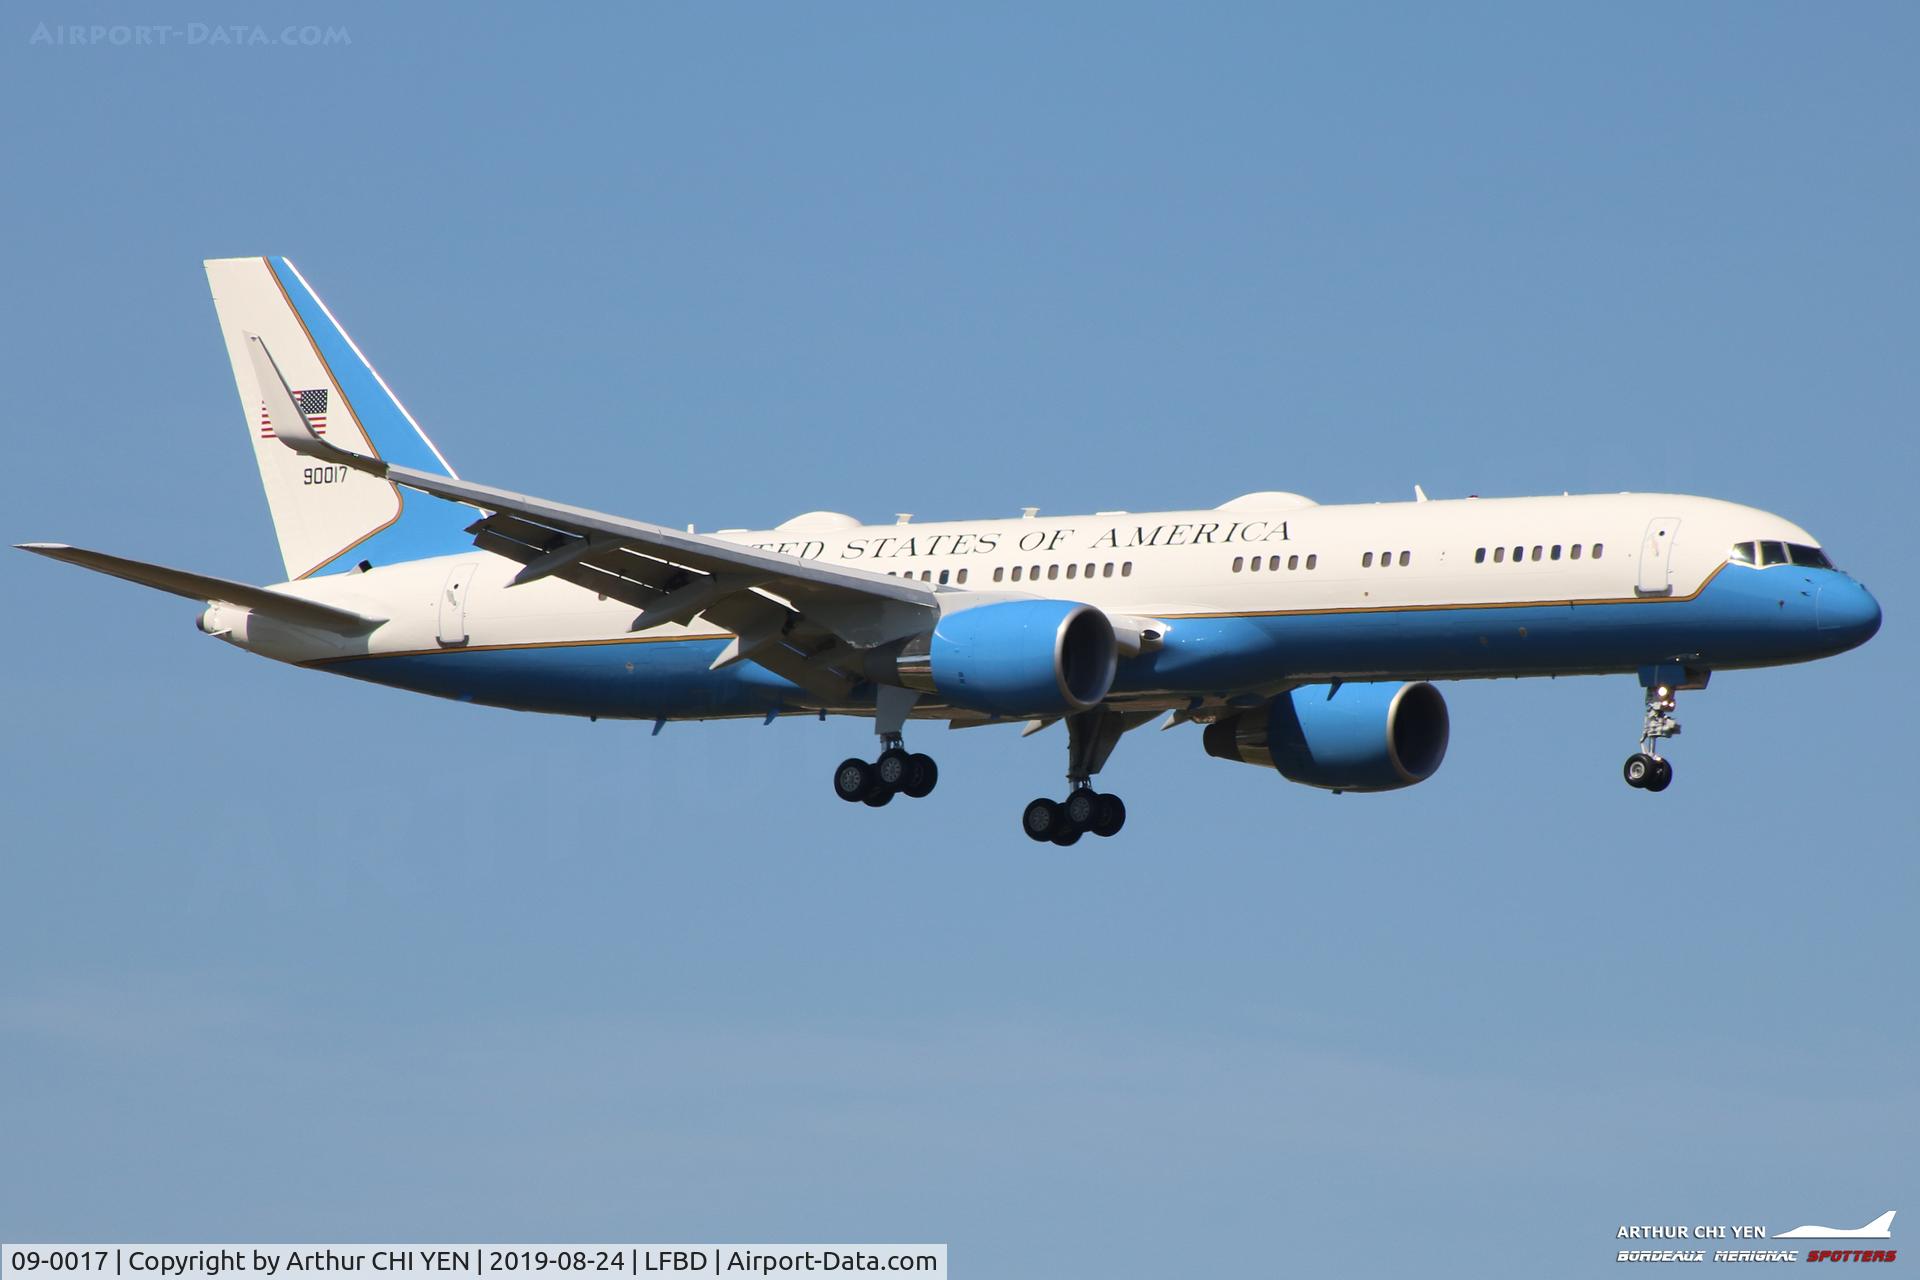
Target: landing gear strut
(1646, 768)
(1091, 736)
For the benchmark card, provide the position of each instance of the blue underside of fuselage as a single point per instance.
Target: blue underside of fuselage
(1743, 618)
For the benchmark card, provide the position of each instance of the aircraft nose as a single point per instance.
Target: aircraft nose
(1847, 611)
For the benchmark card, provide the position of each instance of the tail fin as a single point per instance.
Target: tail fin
(328, 518)
(1882, 1226)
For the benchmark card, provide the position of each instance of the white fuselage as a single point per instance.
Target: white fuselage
(1266, 556)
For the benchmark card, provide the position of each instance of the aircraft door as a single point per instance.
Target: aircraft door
(453, 603)
(1656, 556)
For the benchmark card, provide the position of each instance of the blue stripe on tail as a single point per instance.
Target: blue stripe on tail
(426, 526)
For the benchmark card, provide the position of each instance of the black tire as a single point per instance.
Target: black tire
(1662, 776)
(1079, 807)
(852, 780)
(1041, 819)
(1637, 769)
(881, 795)
(922, 774)
(1109, 815)
(891, 768)
(1067, 834)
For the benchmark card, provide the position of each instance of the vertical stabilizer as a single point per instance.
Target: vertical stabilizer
(328, 517)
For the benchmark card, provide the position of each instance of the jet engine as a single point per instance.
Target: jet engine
(1014, 658)
(1344, 737)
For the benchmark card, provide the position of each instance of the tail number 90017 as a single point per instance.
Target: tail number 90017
(327, 474)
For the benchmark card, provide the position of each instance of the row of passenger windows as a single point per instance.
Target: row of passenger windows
(958, 577)
(1762, 554)
(1386, 558)
(1244, 564)
(1053, 571)
(1541, 552)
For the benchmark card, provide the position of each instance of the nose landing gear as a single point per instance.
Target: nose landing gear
(1648, 772)
(1646, 769)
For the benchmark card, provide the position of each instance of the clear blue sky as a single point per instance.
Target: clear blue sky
(285, 957)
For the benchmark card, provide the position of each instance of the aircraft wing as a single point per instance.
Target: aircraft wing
(800, 618)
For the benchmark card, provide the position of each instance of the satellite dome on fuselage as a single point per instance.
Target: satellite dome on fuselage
(1267, 500)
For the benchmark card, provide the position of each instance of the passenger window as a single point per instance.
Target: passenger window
(1273, 564)
(1106, 570)
(1404, 557)
(1386, 558)
(1480, 556)
(960, 577)
(1808, 557)
(1126, 569)
(1742, 553)
(1016, 573)
(1598, 547)
(1555, 553)
(1073, 570)
(1053, 571)
(1293, 562)
(999, 574)
(1239, 563)
(1499, 555)
(1773, 553)
(1313, 561)
(1366, 561)
(1034, 573)
(943, 577)
(1574, 554)
(1536, 553)
(1519, 554)
(1089, 572)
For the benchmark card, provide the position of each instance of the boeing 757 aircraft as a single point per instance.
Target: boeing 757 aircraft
(1302, 637)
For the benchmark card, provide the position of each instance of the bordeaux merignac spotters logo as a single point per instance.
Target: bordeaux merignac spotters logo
(1679, 1245)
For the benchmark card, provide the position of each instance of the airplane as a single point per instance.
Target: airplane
(1301, 638)
(1881, 1228)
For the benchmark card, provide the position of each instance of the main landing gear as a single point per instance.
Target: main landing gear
(896, 772)
(1065, 821)
(1091, 736)
(1646, 768)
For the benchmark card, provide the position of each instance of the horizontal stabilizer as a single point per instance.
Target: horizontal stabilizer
(195, 586)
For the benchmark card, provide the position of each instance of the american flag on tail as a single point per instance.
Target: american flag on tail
(313, 407)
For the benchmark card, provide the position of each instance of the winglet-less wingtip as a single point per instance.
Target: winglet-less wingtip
(290, 426)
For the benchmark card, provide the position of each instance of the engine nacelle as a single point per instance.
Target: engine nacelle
(1347, 737)
(1015, 658)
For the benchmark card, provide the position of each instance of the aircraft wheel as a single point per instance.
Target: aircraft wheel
(1041, 819)
(1662, 776)
(882, 795)
(1109, 815)
(1638, 769)
(1067, 834)
(922, 774)
(853, 780)
(1080, 807)
(892, 768)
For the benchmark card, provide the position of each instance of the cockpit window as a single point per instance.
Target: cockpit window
(1808, 557)
(1742, 553)
(1773, 553)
